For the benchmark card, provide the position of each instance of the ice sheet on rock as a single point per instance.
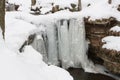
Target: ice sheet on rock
(39, 45)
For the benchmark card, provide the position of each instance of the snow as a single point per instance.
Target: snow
(101, 9)
(96, 10)
(47, 4)
(115, 29)
(25, 5)
(47, 24)
(34, 58)
(112, 43)
(17, 31)
(27, 66)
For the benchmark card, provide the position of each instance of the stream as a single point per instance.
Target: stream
(79, 74)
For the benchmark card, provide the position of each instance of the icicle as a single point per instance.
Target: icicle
(63, 41)
(71, 39)
(52, 44)
(77, 39)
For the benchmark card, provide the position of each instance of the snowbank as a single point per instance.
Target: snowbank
(27, 66)
(17, 31)
(18, 67)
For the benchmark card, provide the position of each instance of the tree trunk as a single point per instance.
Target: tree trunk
(33, 2)
(2, 16)
(79, 5)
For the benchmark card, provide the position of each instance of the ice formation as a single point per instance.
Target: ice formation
(63, 43)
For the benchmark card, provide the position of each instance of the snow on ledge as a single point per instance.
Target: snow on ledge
(115, 29)
(112, 43)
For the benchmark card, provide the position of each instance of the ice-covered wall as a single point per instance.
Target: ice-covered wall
(63, 43)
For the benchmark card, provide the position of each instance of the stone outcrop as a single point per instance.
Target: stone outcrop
(111, 59)
(95, 31)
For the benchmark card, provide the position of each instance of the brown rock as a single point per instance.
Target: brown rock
(95, 31)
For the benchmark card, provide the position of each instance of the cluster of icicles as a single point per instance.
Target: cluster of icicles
(63, 43)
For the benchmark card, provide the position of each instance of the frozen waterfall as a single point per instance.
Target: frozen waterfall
(63, 43)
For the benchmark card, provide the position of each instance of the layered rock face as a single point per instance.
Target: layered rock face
(95, 31)
(111, 56)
